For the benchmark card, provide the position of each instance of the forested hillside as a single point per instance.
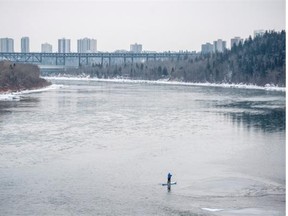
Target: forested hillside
(259, 61)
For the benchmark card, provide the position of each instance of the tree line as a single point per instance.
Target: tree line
(255, 61)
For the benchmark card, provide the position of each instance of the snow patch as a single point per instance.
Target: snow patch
(9, 97)
(267, 87)
(48, 88)
(212, 210)
(16, 96)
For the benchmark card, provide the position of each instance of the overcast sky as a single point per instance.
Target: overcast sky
(157, 25)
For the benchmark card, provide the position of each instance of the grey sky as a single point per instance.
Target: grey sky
(157, 25)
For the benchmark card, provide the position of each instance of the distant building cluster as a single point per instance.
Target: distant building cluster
(220, 45)
(217, 46)
(236, 41)
(89, 45)
(207, 48)
(136, 48)
(25, 45)
(258, 33)
(64, 45)
(46, 48)
(85, 45)
(6, 45)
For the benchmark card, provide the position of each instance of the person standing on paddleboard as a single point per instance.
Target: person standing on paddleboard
(169, 178)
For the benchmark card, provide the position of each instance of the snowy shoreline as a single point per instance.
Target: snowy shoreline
(15, 96)
(267, 87)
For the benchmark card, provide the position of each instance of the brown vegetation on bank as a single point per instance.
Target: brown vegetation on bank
(18, 77)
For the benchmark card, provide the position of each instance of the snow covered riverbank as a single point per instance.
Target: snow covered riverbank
(268, 87)
(15, 96)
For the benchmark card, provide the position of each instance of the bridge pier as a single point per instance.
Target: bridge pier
(40, 58)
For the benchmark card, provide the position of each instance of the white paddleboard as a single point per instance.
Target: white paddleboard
(172, 183)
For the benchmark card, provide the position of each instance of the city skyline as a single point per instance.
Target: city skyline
(157, 25)
(89, 45)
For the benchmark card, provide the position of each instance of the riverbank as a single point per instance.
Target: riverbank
(20, 77)
(268, 87)
(16, 95)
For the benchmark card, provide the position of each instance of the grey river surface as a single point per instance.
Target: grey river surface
(104, 148)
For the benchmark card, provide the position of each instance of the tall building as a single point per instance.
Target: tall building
(46, 48)
(6, 45)
(219, 46)
(63, 45)
(207, 48)
(86, 45)
(236, 41)
(136, 48)
(258, 33)
(25, 45)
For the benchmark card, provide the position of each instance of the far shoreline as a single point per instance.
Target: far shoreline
(267, 87)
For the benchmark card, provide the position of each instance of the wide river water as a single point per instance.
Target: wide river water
(85, 147)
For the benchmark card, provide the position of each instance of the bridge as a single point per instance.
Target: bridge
(88, 58)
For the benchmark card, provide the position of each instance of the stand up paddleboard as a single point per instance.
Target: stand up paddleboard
(172, 183)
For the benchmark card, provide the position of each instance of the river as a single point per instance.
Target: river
(85, 147)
